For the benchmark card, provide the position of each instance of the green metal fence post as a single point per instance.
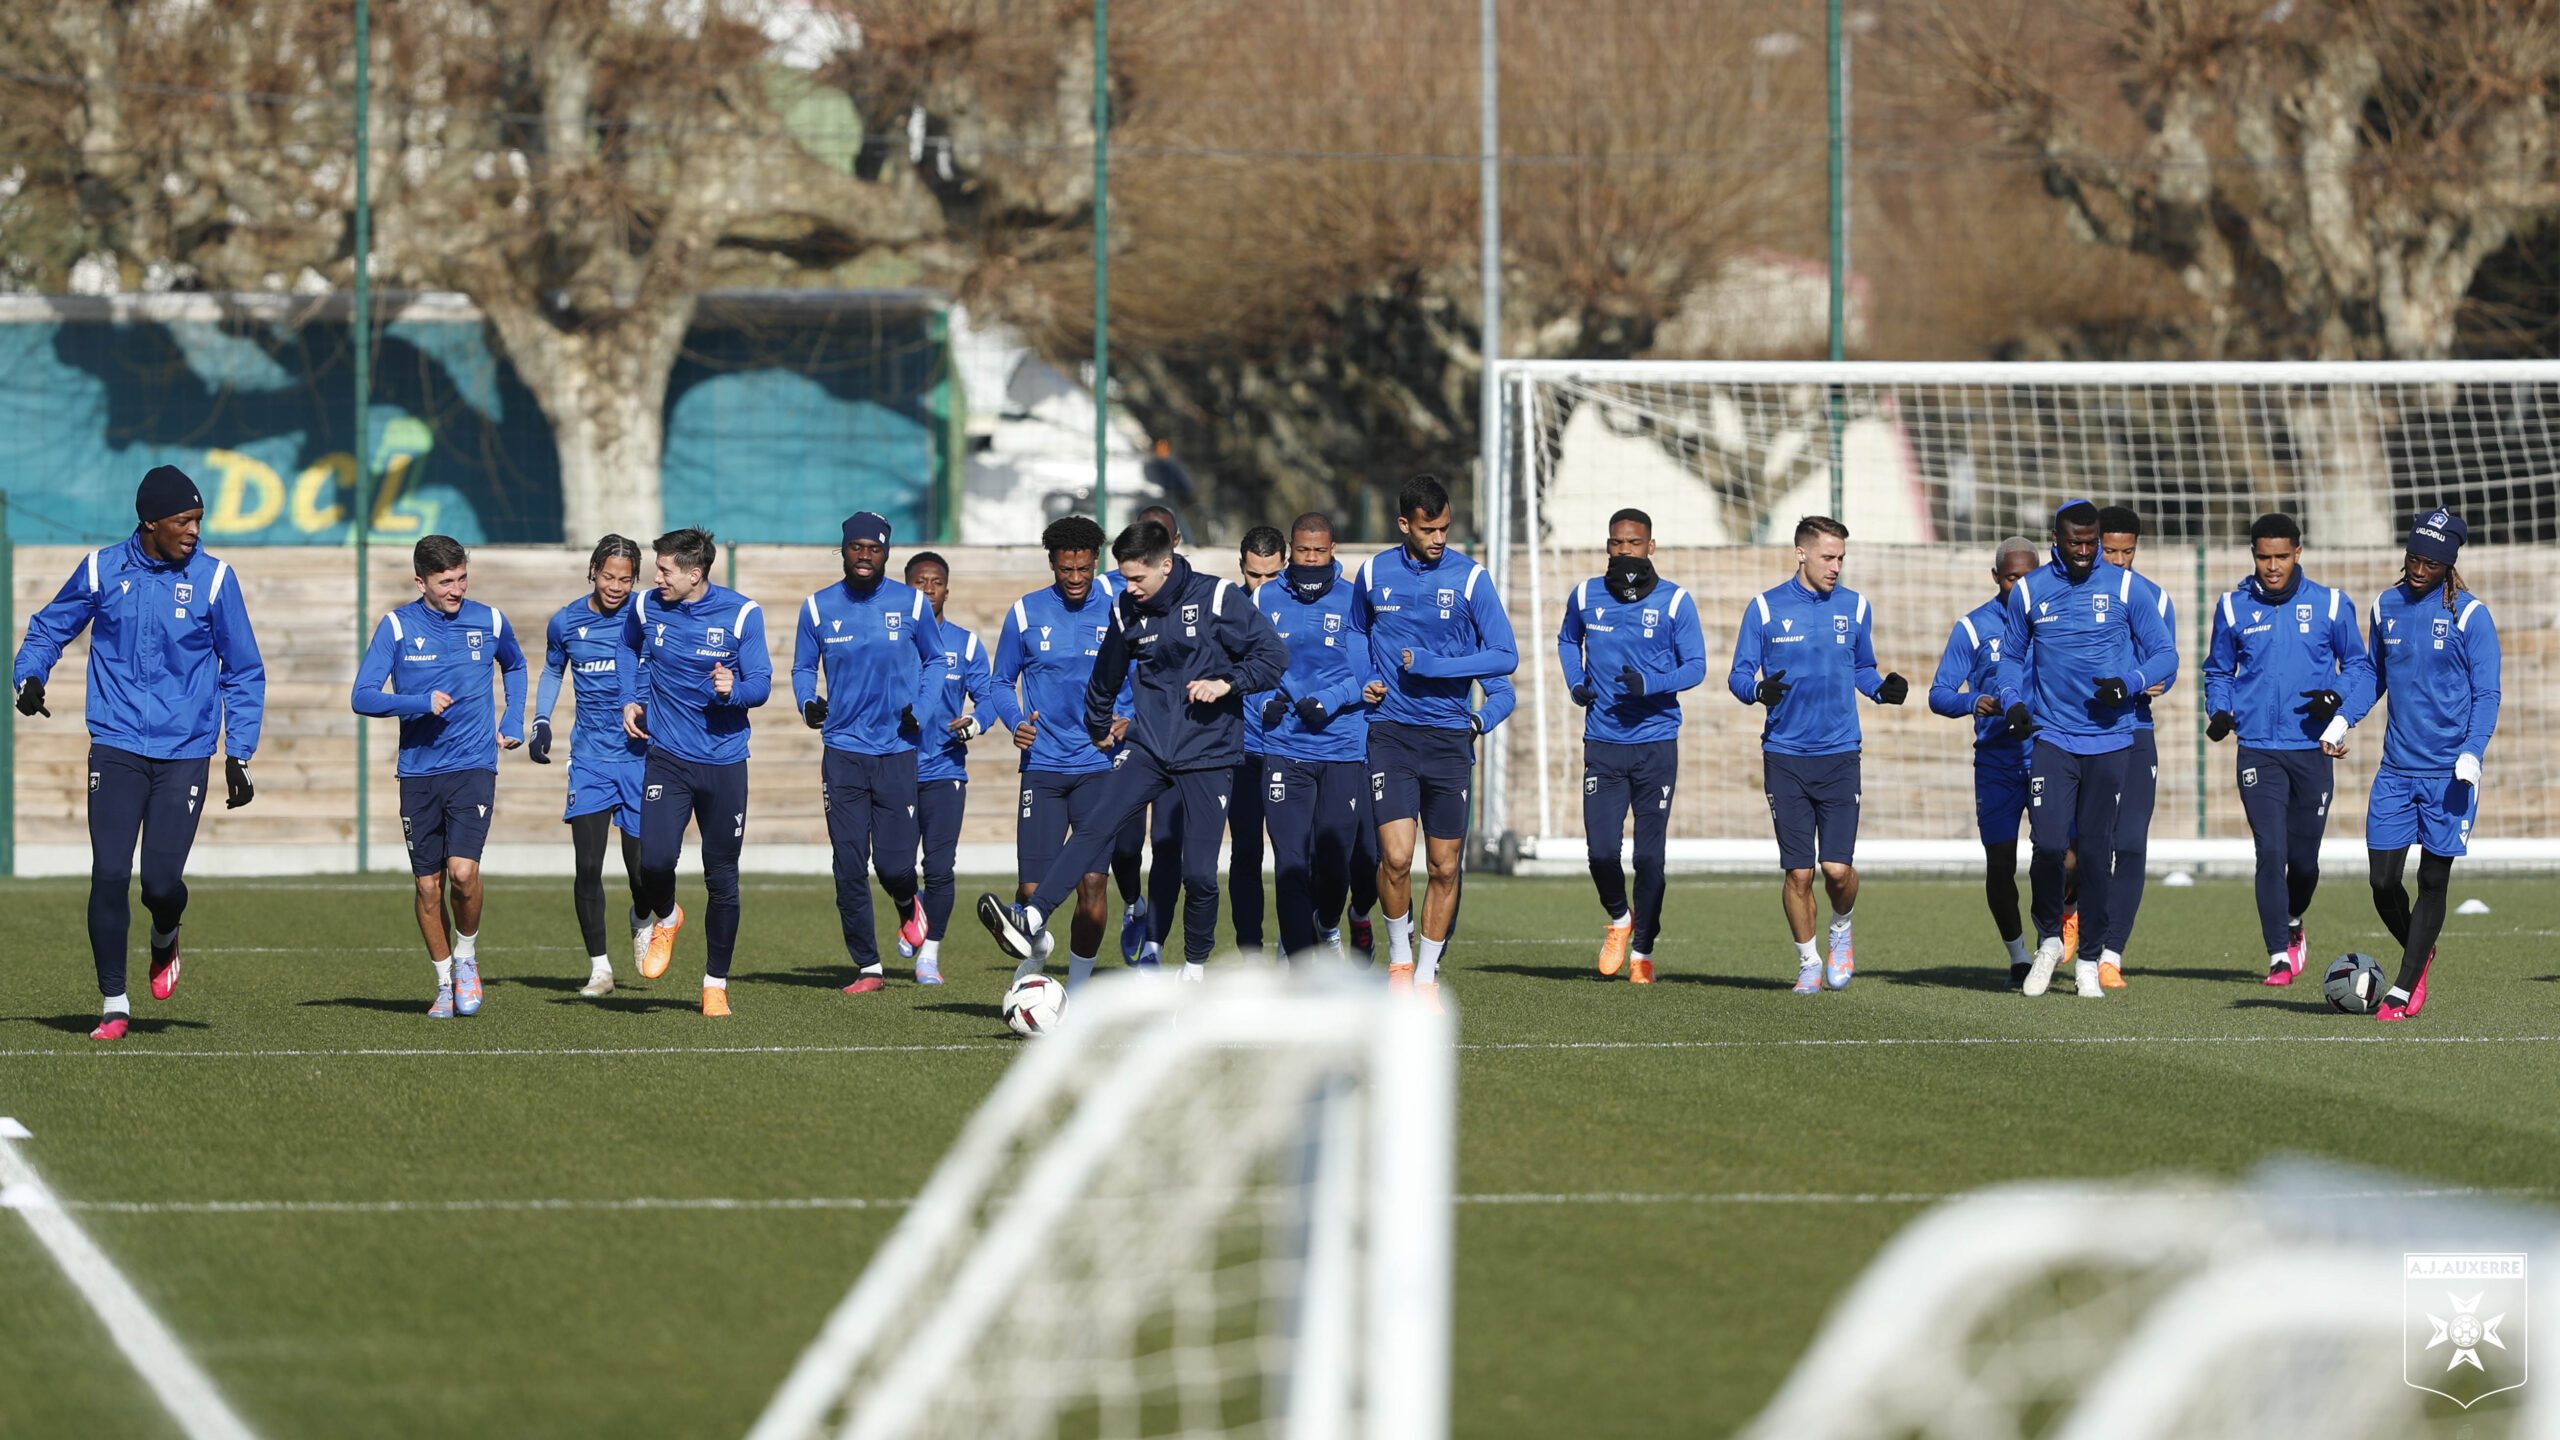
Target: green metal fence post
(1835, 57)
(8, 712)
(361, 335)
(2204, 641)
(1102, 263)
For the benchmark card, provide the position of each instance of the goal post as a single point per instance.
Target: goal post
(1207, 1210)
(1940, 461)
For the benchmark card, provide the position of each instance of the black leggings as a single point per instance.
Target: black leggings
(2000, 886)
(589, 832)
(2415, 927)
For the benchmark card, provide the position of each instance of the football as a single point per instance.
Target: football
(2354, 984)
(1033, 1005)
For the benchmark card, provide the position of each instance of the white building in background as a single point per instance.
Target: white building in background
(1030, 442)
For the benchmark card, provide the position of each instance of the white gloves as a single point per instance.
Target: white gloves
(973, 727)
(2336, 734)
(2467, 770)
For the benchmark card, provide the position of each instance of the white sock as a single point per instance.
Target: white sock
(2109, 957)
(2293, 920)
(1805, 953)
(444, 974)
(1079, 969)
(1150, 953)
(466, 947)
(2396, 996)
(1640, 955)
(1840, 922)
(599, 965)
(1623, 920)
(1400, 938)
(715, 982)
(1426, 967)
(161, 940)
(2276, 958)
(1193, 970)
(930, 953)
(872, 969)
(118, 1005)
(2017, 949)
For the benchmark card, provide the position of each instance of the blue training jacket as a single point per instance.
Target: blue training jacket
(421, 650)
(678, 646)
(1328, 660)
(2268, 648)
(881, 650)
(1824, 647)
(587, 648)
(2439, 664)
(1657, 634)
(2063, 638)
(962, 675)
(1970, 669)
(2160, 664)
(1445, 613)
(1044, 656)
(1198, 627)
(172, 661)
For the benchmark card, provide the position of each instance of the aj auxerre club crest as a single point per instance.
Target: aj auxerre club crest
(1448, 597)
(714, 635)
(2098, 606)
(1840, 623)
(1332, 624)
(1652, 617)
(1190, 614)
(186, 592)
(2463, 1332)
(892, 617)
(471, 638)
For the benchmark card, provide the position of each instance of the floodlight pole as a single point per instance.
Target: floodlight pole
(1102, 263)
(1836, 65)
(1489, 184)
(8, 712)
(360, 336)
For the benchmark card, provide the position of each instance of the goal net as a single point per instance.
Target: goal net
(1934, 464)
(2289, 1307)
(1199, 1210)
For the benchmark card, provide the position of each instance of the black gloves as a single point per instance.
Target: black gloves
(815, 712)
(2324, 705)
(1894, 690)
(1774, 687)
(31, 698)
(2022, 722)
(235, 779)
(907, 722)
(1633, 679)
(539, 747)
(2111, 690)
(1585, 693)
(1274, 711)
(1311, 712)
(2219, 727)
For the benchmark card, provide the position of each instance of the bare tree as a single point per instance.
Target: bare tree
(2327, 176)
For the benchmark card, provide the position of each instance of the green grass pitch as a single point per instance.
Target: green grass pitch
(1582, 1307)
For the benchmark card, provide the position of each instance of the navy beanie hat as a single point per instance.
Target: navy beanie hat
(866, 525)
(166, 491)
(2438, 537)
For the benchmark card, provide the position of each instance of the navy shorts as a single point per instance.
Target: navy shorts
(607, 785)
(2409, 807)
(1053, 805)
(446, 817)
(1416, 772)
(1813, 801)
(1999, 799)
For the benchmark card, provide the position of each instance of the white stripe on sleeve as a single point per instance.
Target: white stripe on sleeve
(1677, 595)
(1021, 619)
(221, 572)
(2230, 610)
(93, 570)
(393, 620)
(1472, 576)
(1970, 634)
(2333, 604)
(1763, 602)
(1862, 609)
(2464, 624)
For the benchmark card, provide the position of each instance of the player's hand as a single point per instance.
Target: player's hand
(814, 713)
(1631, 680)
(1986, 705)
(1585, 693)
(2219, 727)
(1408, 659)
(1773, 688)
(540, 749)
(1374, 693)
(635, 721)
(2111, 690)
(1274, 711)
(1112, 737)
(1311, 712)
(438, 703)
(908, 724)
(235, 783)
(2022, 722)
(2466, 770)
(2156, 691)
(1894, 690)
(31, 698)
(2324, 704)
(967, 727)
(1028, 732)
(2333, 741)
(723, 680)
(1209, 692)
(506, 742)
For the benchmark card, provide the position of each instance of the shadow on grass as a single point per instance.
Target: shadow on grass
(137, 1025)
(1950, 977)
(539, 982)
(807, 977)
(2252, 976)
(1731, 982)
(632, 1004)
(2269, 1002)
(371, 1002)
(1560, 972)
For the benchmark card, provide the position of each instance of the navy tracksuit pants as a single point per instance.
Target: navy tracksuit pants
(2286, 796)
(1136, 779)
(940, 805)
(158, 802)
(1245, 820)
(1618, 780)
(2068, 793)
(1315, 811)
(871, 812)
(2133, 838)
(674, 793)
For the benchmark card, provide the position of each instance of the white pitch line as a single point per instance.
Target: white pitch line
(107, 1051)
(184, 1390)
(436, 1207)
(1885, 1042)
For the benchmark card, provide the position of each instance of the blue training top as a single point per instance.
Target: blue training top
(1328, 662)
(421, 650)
(2063, 638)
(2270, 646)
(1445, 613)
(882, 653)
(2439, 665)
(587, 648)
(962, 675)
(1968, 670)
(172, 660)
(678, 647)
(1046, 652)
(1823, 646)
(1657, 635)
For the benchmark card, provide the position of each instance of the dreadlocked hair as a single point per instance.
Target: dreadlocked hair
(2452, 584)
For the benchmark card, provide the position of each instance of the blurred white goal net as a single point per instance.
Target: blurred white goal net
(1214, 1210)
(2314, 1304)
(1933, 464)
